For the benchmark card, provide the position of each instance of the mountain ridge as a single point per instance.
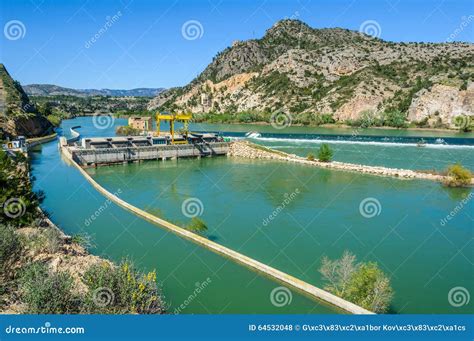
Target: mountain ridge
(55, 90)
(337, 74)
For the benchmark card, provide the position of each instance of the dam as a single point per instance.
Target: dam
(97, 151)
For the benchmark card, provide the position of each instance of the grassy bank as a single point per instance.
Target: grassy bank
(44, 271)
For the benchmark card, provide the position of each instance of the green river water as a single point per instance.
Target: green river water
(424, 257)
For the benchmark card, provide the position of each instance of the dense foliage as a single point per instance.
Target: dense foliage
(364, 284)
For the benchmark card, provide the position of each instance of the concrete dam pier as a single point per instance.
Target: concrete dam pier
(96, 151)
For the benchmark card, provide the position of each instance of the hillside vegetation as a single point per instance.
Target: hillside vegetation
(18, 116)
(318, 76)
(43, 271)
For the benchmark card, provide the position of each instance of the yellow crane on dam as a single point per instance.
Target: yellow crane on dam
(172, 118)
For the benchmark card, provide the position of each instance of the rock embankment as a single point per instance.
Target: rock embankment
(251, 151)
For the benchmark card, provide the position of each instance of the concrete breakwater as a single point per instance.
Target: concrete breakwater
(304, 287)
(249, 150)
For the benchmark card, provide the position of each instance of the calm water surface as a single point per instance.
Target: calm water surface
(423, 257)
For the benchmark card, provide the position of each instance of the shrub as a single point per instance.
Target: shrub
(463, 122)
(394, 118)
(366, 119)
(338, 272)
(325, 153)
(9, 250)
(370, 288)
(46, 292)
(127, 131)
(458, 176)
(121, 290)
(197, 225)
(52, 240)
(361, 283)
(310, 157)
(54, 119)
(20, 202)
(42, 240)
(83, 239)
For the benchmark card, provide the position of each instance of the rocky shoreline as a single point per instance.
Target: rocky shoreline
(249, 150)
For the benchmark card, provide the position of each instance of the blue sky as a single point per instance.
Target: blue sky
(144, 45)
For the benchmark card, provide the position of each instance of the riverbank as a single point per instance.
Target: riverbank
(45, 271)
(250, 150)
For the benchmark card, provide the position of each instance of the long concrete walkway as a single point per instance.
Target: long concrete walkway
(253, 264)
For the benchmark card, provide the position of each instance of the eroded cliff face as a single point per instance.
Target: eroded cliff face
(17, 115)
(442, 103)
(300, 70)
(32, 126)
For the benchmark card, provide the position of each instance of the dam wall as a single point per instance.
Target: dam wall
(105, 156)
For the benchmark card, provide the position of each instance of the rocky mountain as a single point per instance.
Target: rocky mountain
(17, 115)
(55, 90)
(332, 75)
